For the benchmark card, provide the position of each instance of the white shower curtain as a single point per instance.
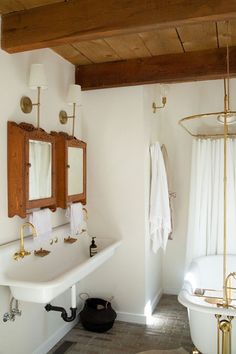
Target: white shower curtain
(206, 206)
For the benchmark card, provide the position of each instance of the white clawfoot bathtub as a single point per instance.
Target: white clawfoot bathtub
(206, 273)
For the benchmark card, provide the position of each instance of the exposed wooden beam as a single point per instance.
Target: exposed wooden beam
(183, 67)
(77, 20)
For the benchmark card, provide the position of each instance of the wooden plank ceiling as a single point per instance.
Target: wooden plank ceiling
(183, 39)
(144, 45)
(188, 38)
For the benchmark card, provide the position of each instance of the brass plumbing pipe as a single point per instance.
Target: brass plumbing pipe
(226, 109)
(230, 318)
(225, 327)
(73, 126)
(38, 109)
(218, 317)
(225, 210)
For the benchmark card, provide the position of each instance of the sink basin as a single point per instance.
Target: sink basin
(41, 279)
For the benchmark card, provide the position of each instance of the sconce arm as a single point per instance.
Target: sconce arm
(155, 107)
(63, 118)
(27, 105)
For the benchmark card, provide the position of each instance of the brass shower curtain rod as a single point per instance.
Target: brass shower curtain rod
(227, 116)
(226, 120)
(206, 115)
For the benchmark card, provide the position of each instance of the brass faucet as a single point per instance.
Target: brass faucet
(22, 252)
(228, 288)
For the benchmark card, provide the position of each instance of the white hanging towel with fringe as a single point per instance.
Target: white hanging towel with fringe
(159, 215)
(41, 219)
(75, 213)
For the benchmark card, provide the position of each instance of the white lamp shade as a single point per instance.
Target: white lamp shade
(37, 77)
(74, 94)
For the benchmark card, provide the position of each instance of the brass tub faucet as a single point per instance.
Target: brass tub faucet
(22, 252)
(228, 288)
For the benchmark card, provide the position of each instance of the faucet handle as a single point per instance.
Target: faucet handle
(20, 254)
(16, 256)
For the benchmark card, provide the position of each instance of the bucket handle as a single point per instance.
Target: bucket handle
(85, 296)
(82, 296)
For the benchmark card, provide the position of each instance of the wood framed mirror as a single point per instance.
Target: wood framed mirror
(71, 169)
(31, 169)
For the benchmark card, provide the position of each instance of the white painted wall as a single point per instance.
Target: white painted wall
(118, 126)
(153, 262)
(35, 326)
(113, 130)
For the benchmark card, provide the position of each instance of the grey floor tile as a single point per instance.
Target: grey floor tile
(170, 330)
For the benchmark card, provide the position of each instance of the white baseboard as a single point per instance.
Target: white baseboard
(156, 299)
(55, 338)
(136, 317)
(131, 317)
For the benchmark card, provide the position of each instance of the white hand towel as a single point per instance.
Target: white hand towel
(160, 216)
(75, 213)
(171, 193)
(41, 219)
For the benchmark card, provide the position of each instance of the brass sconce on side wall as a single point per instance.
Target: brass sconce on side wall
(37, 81)
(74, 98)
(155, 107)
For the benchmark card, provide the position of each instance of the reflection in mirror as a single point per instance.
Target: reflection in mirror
(40, 172)
(75, 170)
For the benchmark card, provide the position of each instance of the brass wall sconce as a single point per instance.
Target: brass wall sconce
(162, 93)
(37, 81)
(155, 107)
(74, 98)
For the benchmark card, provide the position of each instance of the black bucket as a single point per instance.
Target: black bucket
(97, 315)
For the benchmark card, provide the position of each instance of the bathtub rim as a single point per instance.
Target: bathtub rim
(188, 300)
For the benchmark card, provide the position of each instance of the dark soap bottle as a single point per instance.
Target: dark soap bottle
(93, 248)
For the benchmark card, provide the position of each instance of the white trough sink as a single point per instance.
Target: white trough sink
(40, 280)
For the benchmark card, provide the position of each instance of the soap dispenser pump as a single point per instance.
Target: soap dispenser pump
(93, 248)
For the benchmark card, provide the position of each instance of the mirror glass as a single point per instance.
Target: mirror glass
(40, 171)
(75, 170)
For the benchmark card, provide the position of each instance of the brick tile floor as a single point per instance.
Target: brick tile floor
(169, 330)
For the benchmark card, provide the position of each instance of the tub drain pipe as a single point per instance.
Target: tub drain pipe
(64, 314)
